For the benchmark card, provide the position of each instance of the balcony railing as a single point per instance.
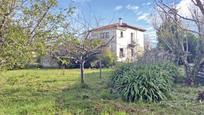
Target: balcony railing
(132, 44)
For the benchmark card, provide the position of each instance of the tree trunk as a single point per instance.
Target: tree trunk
(63, 71)
(100, 69)
(194, 72)
(196, 67)
(82, 71)
(188, 73)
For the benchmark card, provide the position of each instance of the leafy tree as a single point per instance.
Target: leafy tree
(188, 39)
(108, 58)
(191, 45)
(25, 27)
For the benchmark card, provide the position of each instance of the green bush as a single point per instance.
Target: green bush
(108, 59)
(138, 82)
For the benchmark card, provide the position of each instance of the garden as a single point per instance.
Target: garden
(85, 75)
(49, 91)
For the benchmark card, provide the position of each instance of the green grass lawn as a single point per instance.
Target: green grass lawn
(52, 92)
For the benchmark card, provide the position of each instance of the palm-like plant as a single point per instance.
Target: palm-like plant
(150, 83)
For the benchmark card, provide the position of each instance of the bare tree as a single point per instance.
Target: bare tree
(175, 42)
(78, 45)
(80, 50)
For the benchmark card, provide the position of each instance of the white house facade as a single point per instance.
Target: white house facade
(127, 42)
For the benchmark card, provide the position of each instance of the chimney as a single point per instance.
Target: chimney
(120, 21)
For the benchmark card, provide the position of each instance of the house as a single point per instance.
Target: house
(128, 41)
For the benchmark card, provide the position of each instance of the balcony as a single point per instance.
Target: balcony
(132, 43)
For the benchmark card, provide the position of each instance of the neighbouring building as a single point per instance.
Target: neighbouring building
(48, 62)
(127, 43)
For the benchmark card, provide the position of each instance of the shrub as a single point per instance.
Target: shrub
(138, 82)
(108, 59)
(200, 96)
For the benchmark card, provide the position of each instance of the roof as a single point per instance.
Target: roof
(116, 25)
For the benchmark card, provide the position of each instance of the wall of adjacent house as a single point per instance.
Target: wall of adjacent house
(48, 62)
(123, 42)
(140, 41)
(112, 44)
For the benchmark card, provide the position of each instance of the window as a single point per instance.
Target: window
(132, 37)
(104, 35)
(107, 35)
(93, 35)
(122, 53)
(121, 34)
(101, 35)
(132, 52)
